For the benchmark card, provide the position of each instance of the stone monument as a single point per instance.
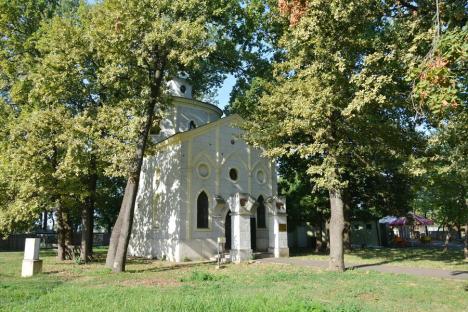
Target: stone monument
(31, 263)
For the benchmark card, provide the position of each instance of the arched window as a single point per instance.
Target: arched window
(192, 125)
(261, 218)
(233, 174)
(202, 211)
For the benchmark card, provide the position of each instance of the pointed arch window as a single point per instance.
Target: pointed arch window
(202, 211)
(261, 211)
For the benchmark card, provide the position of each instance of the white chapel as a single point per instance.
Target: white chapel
(204, 182)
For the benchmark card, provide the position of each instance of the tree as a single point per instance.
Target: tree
(338, 98)
(442, 173)
(110, 192)
(440, 95)
(303, 204)
(33, 154)
(66, 77)
(140, 44)
(54, 73)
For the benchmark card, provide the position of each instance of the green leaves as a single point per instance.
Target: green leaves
(77, 82)
(440, 79)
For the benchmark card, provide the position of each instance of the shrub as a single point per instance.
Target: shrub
(199, 277)
(425, 239)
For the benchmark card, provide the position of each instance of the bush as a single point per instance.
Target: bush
(399, 242)
(425, 239)
(199, 277)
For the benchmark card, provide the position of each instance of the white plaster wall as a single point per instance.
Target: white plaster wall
(200, 115)
(155, 233)
(216, 150)
(179, 184)
(167, 124)
(180, 112)
(141, 240)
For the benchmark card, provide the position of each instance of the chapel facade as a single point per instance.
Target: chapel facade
(204, 182)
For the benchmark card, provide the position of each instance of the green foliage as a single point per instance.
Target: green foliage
(332, 102)
(442, 174)
(439, 92)
(342, 97)
(440, 86)
(90, 69)
(198, 276)
(33, 169)
(303, 205)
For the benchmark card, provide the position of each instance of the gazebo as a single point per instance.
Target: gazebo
(411, 219)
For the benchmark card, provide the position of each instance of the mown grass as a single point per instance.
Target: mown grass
(161, 286)
(408, 257)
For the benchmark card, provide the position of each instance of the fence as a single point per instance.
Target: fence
(15, 242)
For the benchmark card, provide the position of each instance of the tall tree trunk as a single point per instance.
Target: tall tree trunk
(319, 243)
(114, 239)
(459, 231)
(465, 250)
(336, 262)
(347, 222)
(91, 236)
(87, 216)
(447, 238)
(128, 205)
(44, 221)
(63, 235)
(347, 235)
(69, 238)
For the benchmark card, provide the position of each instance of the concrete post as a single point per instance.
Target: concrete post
(241, 206)
(217, 217)
(31, 263)
(277, 227)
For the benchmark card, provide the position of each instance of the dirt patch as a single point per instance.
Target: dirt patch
(150, 282)
(368, 297)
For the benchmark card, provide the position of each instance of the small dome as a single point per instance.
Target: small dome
(180, 87)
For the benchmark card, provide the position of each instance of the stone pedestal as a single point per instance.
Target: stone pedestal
(31, 263)
(240, 244)
(277, 223)
(31, 267)
(241, 206)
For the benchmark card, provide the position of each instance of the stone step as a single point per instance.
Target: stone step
(262, 255)
(256, 255)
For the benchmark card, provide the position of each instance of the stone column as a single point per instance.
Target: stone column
(277, 227)
(31, 263)
(218, 213)
(241, 205)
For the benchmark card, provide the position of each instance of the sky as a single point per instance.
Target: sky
(224, 91)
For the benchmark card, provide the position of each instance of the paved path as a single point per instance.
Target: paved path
(385, 268)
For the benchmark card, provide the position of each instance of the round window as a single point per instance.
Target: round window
(260, 176)
(233, 174)
(203, 170)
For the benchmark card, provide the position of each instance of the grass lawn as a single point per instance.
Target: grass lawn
(162, 286)
(409, 257)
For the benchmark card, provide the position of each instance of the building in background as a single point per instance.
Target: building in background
(205, 182)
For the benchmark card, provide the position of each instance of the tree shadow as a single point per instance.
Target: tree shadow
(458, 272)
(395, 255)
(169, 267)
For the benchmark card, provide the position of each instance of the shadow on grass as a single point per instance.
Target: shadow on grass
(395, 255)
(170, 267)
(459, 272)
